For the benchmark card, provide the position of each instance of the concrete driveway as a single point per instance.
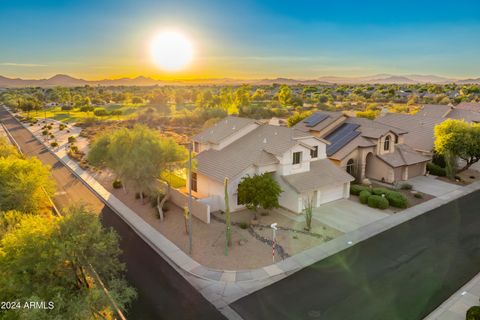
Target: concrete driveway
(346, 215)
(432, 186)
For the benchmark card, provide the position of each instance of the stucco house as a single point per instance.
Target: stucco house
(419, 127)
(236, 147)
(365, 148)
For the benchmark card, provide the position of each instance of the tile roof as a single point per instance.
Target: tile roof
(403, 155)
(323, 173)
(434, 110)
(223, 129)
(259, 147)
(470, 106)
(420, 129)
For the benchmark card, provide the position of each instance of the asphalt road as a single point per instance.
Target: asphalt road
(403, 273)
(162, 292)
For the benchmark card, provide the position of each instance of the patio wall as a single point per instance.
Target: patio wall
(199, 209)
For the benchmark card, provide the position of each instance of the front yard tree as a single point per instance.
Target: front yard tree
(137, 156)
(259, 191)
(49, 258)
(458, 139)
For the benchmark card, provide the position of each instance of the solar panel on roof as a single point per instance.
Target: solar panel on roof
(315, 119)
(340, 137)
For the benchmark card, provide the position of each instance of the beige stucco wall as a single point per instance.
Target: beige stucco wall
(416, 170)
(377, 169)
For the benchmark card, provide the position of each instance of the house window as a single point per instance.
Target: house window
(314, 152)
(297, 157)
(386, 144)
(351, 167)
(193, 184)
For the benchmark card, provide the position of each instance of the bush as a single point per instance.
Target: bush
(100, 112)
(67, 108)
(49, 127)
(45, 132)
(117, 184)
(380, 191)
(74, 149)
(364, 195)
(72, 139)
(406, 186)
(116, 112)
(379, 202)
(436, 170)
(52, 136)
(473, 313)
(54, 144)
(355, 189)
(396, 199)
(61, 126)
(418, 195)
(86, 108)
(243, 225)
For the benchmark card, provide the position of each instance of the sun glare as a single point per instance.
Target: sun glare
(171, 51)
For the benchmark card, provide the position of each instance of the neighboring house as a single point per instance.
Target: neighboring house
(469, 106)
(420, 126)
(236, 147)
(365, 148)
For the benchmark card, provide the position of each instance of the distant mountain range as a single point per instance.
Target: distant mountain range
(68, 81)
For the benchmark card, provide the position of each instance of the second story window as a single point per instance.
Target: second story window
(314, 152)
(386, 144)
(297, 157)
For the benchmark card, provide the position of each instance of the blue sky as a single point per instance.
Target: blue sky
(246, 39)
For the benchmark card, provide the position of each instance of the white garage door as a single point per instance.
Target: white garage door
(331, 194)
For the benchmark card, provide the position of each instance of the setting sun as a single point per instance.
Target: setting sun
(171, 51)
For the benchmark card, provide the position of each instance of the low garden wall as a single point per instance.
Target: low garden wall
(199, 210)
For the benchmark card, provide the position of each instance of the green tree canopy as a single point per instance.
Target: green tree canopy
(48, 258)
(259, 191)
(24, 184)
(137, 155)
(458, 139)
(284, 95)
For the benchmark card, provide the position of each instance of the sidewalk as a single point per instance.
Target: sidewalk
(222, 287)
(457, 305)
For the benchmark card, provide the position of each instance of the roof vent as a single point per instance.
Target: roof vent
(276, 133)
(264, 140)
(233, 128)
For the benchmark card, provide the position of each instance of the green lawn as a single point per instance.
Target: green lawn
(128, 111)
(173, 179)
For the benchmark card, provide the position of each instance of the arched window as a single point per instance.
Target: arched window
(351, 167)
(386, 144)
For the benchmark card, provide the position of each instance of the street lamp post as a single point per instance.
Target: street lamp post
(190, 198)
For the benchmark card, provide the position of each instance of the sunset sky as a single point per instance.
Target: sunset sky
(96, 39)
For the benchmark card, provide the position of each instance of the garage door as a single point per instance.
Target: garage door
(331, 194)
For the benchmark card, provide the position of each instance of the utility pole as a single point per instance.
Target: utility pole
(190, 198)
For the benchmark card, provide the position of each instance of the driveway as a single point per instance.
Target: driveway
(432, 186)
(346, 215)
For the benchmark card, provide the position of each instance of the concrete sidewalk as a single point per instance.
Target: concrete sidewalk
(457, 305)
(431, 185)
(222, 287)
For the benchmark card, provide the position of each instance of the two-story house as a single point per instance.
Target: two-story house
(297, 160)
(366, 148)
